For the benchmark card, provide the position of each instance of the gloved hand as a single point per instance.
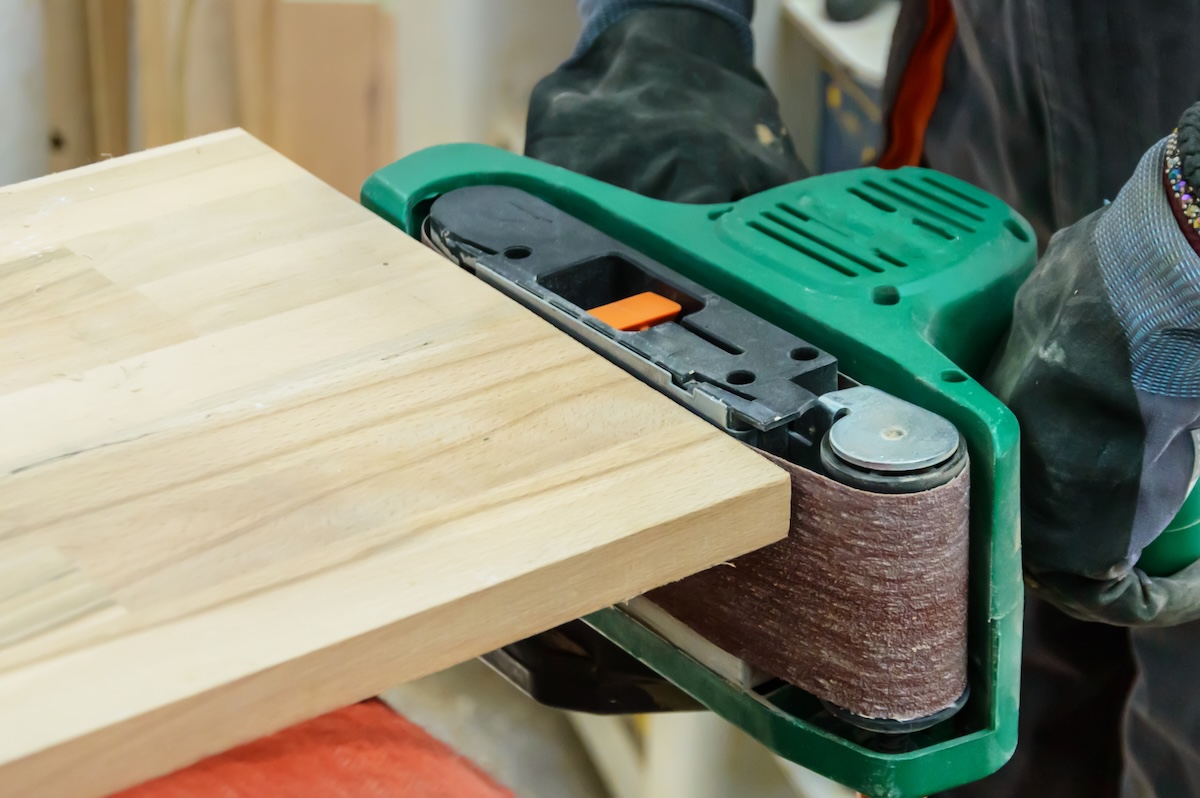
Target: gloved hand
(1102, 369)
(667, 103)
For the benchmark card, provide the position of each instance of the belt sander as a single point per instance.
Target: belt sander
(833, 324)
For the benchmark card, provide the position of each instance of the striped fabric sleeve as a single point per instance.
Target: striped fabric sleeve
(1153, 279)
(598, 15)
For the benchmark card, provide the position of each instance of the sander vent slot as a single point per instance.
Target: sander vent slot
(794, 229)
(872, 200)
(933, 228)
(954, 207)
(901, 195)
(788, 240)
(933, 206)
(957, 194)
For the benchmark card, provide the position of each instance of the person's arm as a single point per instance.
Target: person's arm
(1102, 369)
(662, 98)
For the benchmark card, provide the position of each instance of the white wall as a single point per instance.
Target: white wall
(22, 94)
(466, 67)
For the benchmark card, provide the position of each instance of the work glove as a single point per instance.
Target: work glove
(665, 102)
(1102, 369)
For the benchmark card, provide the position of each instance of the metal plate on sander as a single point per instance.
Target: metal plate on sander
(878, 432)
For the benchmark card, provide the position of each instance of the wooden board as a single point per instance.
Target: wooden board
(263, 456)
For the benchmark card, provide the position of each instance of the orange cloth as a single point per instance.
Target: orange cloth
(363, 751)
(919, 88)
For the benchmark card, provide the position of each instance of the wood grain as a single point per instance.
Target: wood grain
(42, 590)
(288, 458)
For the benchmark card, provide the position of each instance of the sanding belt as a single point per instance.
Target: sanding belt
(864, 604)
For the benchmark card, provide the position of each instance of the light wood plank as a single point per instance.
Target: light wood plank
(265, 456)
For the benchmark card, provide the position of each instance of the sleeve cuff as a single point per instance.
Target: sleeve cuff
(599, 15)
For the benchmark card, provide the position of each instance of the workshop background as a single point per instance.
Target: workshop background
(344, 88)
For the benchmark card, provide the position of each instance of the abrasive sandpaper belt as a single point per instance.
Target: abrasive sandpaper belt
(864, 604)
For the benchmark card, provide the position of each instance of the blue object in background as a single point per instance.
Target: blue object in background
(851, 121)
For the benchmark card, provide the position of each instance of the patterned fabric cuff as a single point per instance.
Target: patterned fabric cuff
(599, 15)
(1152, 276)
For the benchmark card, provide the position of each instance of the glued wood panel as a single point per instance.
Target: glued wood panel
(263, 456)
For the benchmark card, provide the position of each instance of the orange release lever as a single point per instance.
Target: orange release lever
(637, 312)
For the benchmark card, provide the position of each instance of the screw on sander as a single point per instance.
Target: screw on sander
(759, 383)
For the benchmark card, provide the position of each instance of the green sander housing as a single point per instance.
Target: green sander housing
(908, 278)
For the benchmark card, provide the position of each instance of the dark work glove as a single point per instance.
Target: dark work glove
(1102, 368)
(667, 103)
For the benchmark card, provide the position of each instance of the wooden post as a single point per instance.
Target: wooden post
(70, 134)
(108, 52)
(253, 23)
